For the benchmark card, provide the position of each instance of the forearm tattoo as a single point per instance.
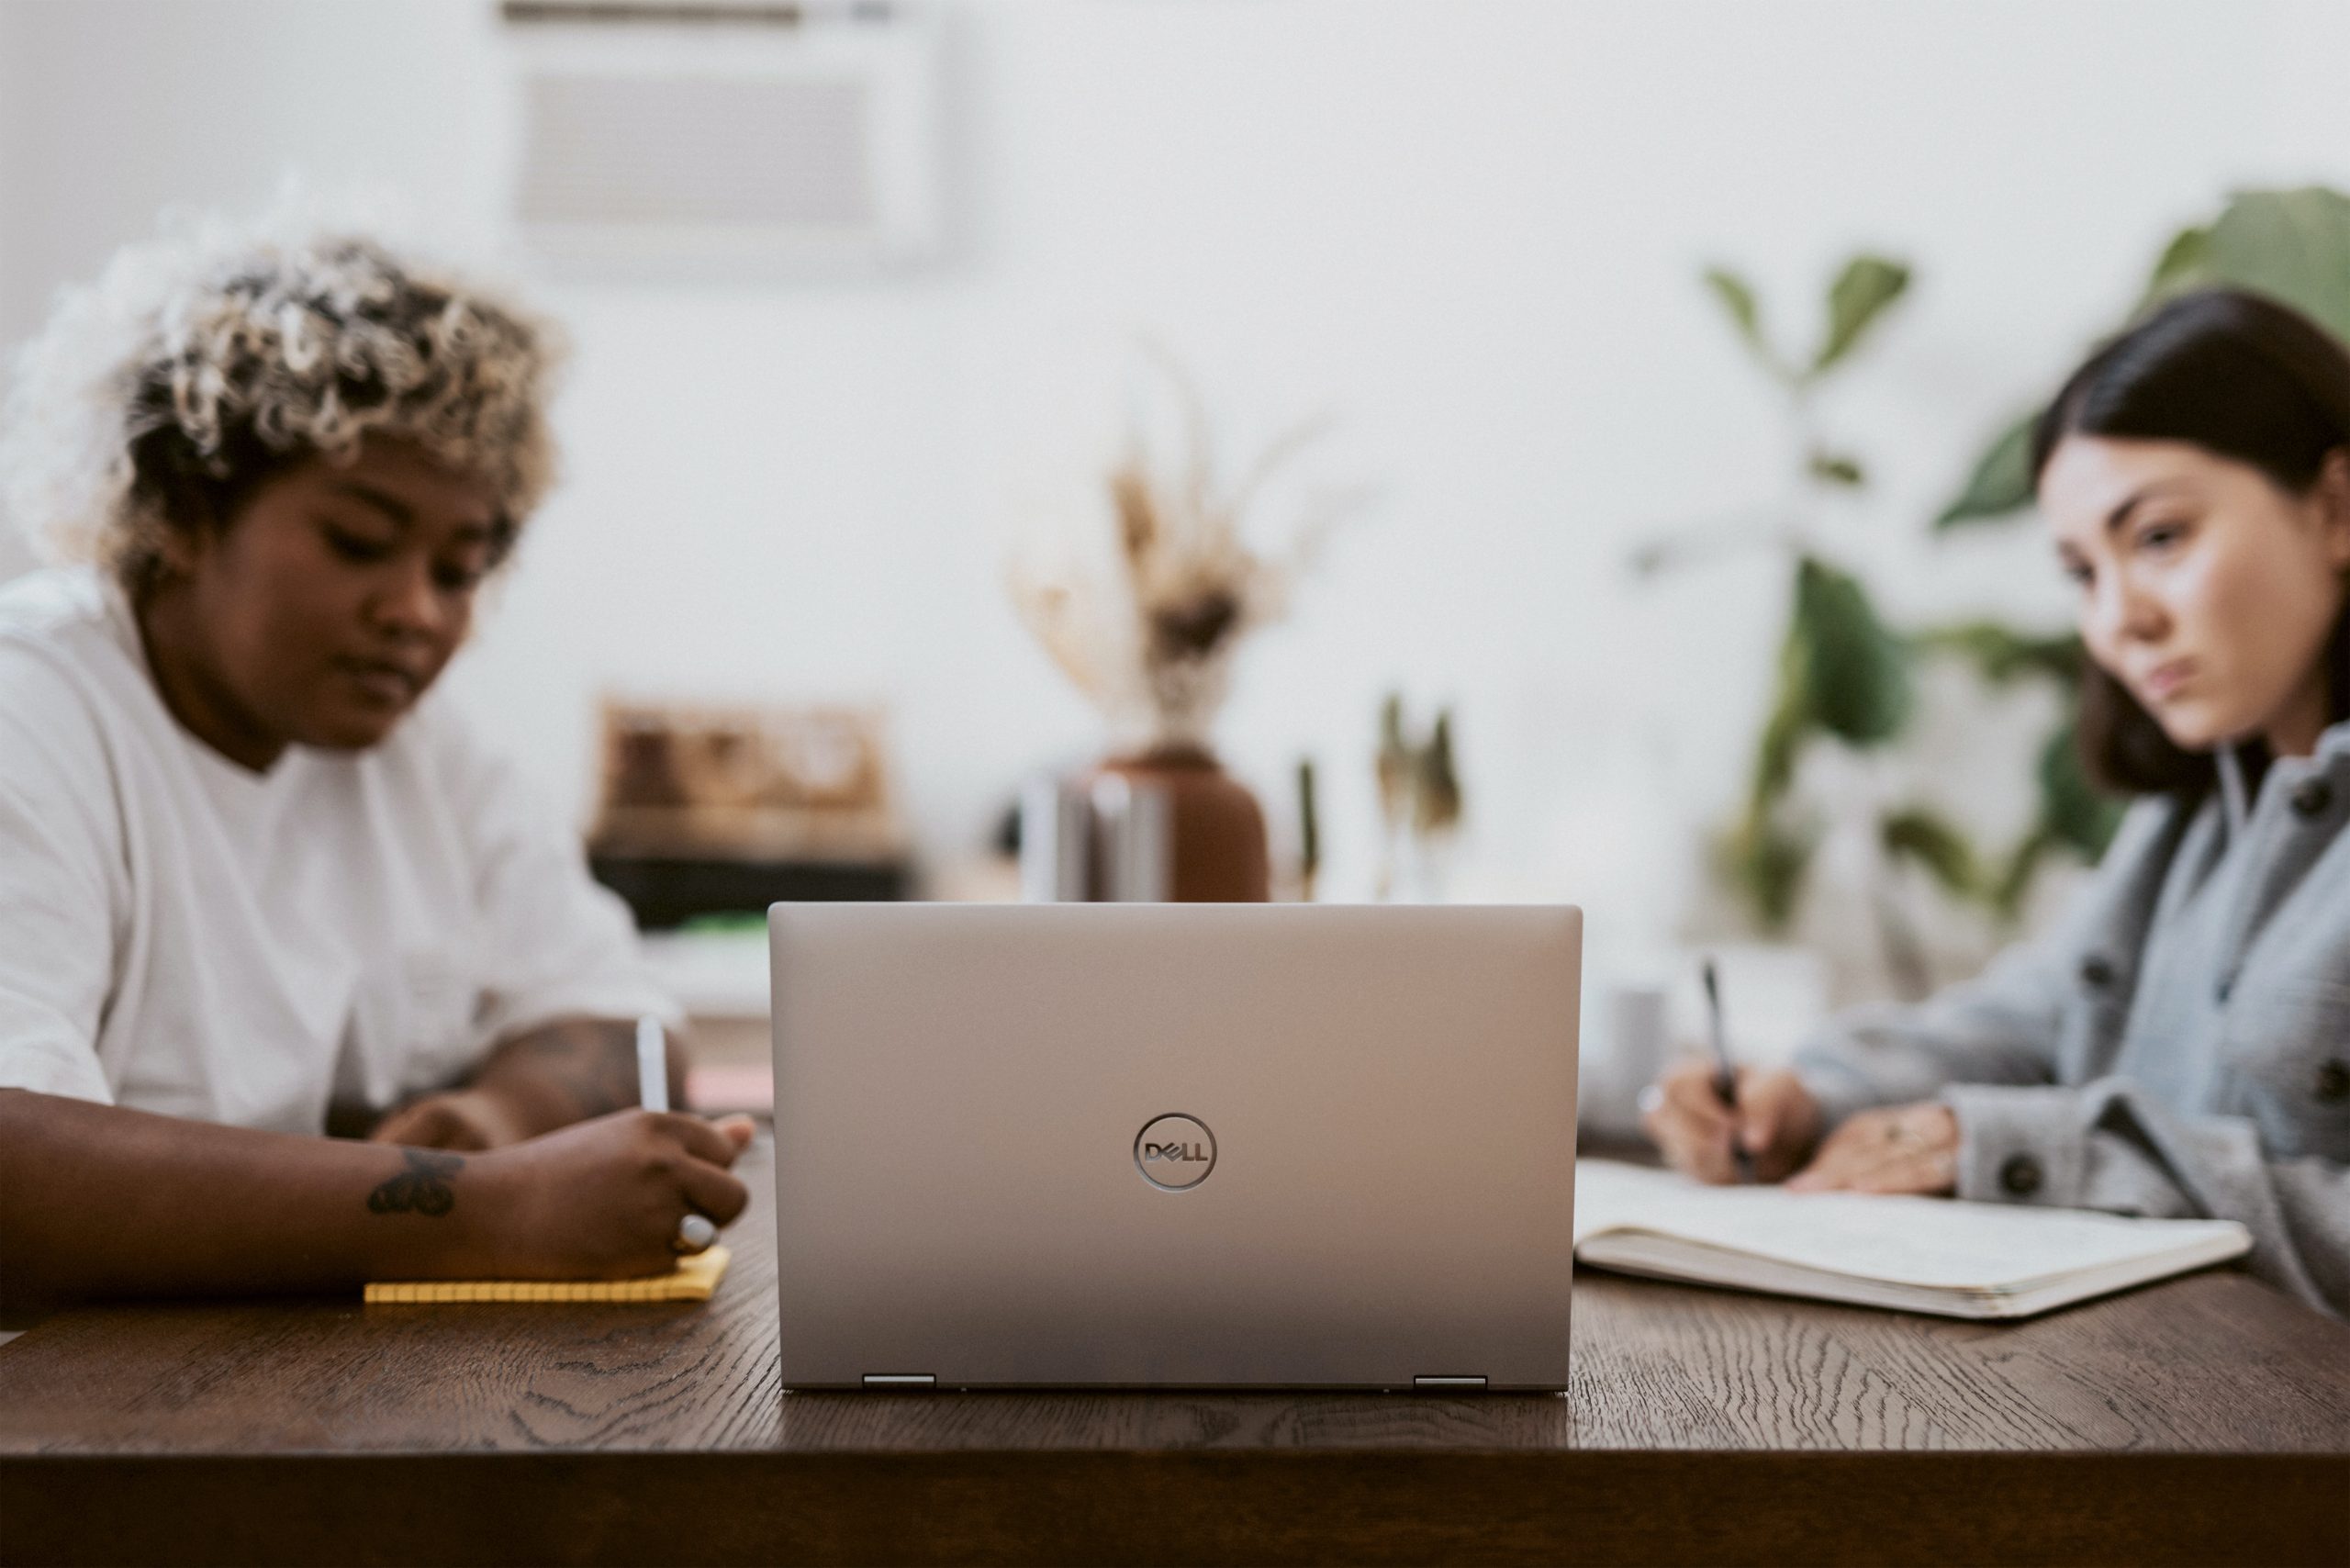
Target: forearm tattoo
(422, 1188)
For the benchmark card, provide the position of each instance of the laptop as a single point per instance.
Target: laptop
(1155, 1145)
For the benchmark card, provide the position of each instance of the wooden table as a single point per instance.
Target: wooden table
(2204, 1419)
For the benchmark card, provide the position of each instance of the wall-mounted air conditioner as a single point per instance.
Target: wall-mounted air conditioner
(707, 139)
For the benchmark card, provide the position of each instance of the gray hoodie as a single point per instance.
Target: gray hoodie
(2178, 1045)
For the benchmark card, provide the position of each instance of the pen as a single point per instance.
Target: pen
(652, 1065)
(1725, 1075)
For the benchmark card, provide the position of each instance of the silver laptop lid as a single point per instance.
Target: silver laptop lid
(1174, 1145)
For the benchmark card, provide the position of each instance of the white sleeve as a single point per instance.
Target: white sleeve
(57, 925)
(558, 945)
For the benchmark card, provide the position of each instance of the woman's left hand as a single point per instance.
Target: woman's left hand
(1903, 1148)
(456, 1118)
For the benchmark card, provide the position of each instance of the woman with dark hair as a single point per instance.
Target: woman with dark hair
(2180, 1045)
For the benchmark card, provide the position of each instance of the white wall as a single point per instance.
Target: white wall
(1472, 228)
(14, 553)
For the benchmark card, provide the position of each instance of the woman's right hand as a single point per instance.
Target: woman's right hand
(602, 1199)
(1777, 1122)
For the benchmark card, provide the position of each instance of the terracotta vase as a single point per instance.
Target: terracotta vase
(1217, 851)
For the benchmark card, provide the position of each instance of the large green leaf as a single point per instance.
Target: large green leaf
(2001, 482)
(1737, 296)
(1854, 672)
(2290, 245)
(1783, 734)
(2006, 895)
(1855, 300)
(2076, 813)
(2183, 264)
(2001, 654)
(1836, 468)
(2073, 815)
(2293, 246)
(1765, 860)
(1921, 834)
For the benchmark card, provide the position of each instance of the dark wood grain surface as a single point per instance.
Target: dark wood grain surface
(1870, 1435)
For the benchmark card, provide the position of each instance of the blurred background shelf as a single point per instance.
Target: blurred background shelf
(667, 891)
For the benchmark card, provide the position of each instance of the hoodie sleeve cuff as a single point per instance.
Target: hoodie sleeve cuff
(2017, 1144)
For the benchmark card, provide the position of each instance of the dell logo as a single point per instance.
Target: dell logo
(1175, 1152)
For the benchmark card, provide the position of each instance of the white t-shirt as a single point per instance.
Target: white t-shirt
(181, 935)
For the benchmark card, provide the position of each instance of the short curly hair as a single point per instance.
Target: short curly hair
(157, 398)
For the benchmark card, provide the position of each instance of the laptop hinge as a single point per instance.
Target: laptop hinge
(1443, 1383)
(913, 1379)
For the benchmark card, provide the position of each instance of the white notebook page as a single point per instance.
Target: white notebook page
(1931, 1242)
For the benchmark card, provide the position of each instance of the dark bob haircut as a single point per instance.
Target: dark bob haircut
(2244, 378)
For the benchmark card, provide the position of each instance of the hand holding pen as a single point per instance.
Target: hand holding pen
(1722, 1124)
(1726, 1077)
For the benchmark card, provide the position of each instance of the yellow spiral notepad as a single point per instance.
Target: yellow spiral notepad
(692, 1280)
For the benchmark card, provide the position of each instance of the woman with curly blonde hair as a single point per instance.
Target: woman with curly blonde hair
(255, 883)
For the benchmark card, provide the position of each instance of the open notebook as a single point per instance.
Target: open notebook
(1916, 1254)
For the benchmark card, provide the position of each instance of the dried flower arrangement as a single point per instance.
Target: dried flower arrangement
(1151, 641)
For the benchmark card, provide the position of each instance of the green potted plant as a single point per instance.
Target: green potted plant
(1845, 677)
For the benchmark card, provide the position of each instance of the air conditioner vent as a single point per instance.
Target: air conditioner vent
(793, 155)
(742, 142)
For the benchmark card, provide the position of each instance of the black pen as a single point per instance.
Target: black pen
(1725, 1075)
